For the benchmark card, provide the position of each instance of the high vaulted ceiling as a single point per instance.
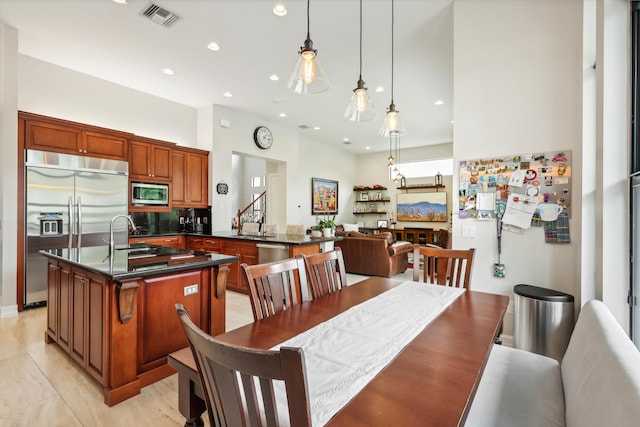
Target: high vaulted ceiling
(114, 42)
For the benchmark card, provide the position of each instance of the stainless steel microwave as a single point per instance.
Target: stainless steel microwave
(145, 194)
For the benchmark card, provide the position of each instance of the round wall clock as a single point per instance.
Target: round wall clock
(262, 137)
(222, 188)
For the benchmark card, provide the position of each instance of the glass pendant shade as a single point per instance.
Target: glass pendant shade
(392, 123)
(308, 78)
(361, 108)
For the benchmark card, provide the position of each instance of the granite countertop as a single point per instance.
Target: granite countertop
(283, 239)
(137, 260)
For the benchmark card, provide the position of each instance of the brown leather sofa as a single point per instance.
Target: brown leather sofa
(373, 255)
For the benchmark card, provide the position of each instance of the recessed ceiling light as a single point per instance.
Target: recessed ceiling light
(227, 94)
(282, 115)
(379, 89)
(367, 148)
(120, 1)
(345, 139)
(168, 71)
(274, 77)
(316, 128)
(214, 46)
(279, 10)
(438, 102)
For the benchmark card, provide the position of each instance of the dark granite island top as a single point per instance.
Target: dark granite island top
(136, 260)
(283, 239)
(115, 316)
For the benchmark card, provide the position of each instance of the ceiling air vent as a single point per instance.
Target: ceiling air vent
(304, 127)
(159, 15)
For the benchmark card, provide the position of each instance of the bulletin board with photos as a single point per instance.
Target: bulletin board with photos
(488, 185)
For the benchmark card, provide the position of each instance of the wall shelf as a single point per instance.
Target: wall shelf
(417, 187)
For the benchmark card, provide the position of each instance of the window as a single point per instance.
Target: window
(424, 168)
(257, 181)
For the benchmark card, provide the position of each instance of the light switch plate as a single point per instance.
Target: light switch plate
(469, 231)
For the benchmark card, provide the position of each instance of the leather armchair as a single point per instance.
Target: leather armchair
(374, 255)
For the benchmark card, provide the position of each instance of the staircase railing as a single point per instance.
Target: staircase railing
(243, 217)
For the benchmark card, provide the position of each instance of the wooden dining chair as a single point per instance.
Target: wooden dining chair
(449, 267)
(325, 272)
(229, 375)
(275, 286)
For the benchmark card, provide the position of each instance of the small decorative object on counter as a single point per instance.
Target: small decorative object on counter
(403, 181)
(438, 178)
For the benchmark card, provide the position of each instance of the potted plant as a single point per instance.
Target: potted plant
(316, 230)
(328, 226)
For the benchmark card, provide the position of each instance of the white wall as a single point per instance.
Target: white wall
(517, 89)
(50, 90)
(9, 174)
(372, 169)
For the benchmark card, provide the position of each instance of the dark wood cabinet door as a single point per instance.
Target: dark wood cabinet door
(78, 312)
(64, 304)
(179, 183)
(197, 180)
(53, 295)
(159, 328)
(139, 154)
(51, 137)
(161, 163)
(105, 146)
(96, 309)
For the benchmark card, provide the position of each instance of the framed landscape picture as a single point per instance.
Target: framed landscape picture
(427, 207)
(324, 196)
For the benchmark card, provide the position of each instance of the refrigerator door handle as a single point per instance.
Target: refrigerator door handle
(71, 222)
(79, 222)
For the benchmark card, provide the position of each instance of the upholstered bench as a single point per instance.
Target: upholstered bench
(596, 384)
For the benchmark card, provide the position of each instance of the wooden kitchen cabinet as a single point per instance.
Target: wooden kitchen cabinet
(190, 178)
(62, 138)
(247, 252)
(204, 244)
(76, 313)
(169, 241)
(150, 160)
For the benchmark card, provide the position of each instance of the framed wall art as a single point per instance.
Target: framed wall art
(428, 207)
(324, 196)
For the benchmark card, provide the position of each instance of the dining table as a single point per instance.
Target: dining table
(430, 381)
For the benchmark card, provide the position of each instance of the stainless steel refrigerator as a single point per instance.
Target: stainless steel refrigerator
(70, 201)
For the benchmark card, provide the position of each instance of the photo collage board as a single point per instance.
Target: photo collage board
(515, 187)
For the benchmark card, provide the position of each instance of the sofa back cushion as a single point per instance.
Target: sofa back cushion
(600, 372)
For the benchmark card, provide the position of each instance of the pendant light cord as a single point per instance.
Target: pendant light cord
(308, 4)
(360, 75)
(392, 24)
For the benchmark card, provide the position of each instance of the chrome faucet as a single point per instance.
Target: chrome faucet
(112, 242)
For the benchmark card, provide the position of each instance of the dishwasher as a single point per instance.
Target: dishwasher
(269, 252)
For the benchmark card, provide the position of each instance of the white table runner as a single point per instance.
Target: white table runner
(344, 353)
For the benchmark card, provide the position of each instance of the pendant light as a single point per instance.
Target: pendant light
(361, 108)
(392, 123)
(307, 77)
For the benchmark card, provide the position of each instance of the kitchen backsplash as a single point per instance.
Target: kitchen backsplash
(176, 221)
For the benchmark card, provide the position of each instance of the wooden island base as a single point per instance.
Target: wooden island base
(120, 330)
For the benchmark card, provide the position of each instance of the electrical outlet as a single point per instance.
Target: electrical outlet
(191, 289)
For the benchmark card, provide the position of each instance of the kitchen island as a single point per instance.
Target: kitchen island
(247, 248)
(259, 249)
(115, 315)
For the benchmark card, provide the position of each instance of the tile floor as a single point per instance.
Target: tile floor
(41, 386)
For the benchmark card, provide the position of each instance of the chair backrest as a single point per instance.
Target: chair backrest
(271, 229)
(229, 375)
(325, 272)
(450, 267)
(275, 286)
(251, 227)
(296, 229)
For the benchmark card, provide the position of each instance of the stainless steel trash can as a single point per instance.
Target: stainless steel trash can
(543, 320)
